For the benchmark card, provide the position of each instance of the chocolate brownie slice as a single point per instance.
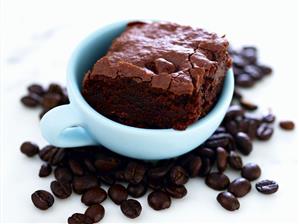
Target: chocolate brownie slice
(158, 75)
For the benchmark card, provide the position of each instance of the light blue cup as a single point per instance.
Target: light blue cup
(78, 124)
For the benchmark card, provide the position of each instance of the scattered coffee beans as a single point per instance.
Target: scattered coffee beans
(85, 168)
(267, 186)
(228, 201)
(131, 208)
(42, 199)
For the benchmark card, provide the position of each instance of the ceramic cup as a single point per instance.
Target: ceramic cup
(78, 124)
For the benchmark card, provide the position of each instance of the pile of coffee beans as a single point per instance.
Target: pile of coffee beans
(89, 171)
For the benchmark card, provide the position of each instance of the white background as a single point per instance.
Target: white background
(36, 41)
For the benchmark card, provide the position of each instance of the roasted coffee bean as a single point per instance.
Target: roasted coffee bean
(232, 127)
(55, 88)
(41, 114)
(45, 170)
(254, 72)
(134, 172)
(178, 175)
(287, 125)
(79, 218)
(63, 174)
(158, 200)
(243, 143)
(131, 208)
(31, 100)
(89, 165)
(95, 212)
(205, 152)
(233, 112)
(176, 191)
(269, 118)
(252, 127)
(217, 181)
(107, 164)
(51, 154)
(237, 95)
(222, 157)
(120, 175)
(94, 195)
(239, 61)
(61, 190)
(235, 161)
(29, 149)
(228, 201)
(50, 100)
(248, 105)
(117, 193)
(265, 69)
(250, 54)
(42, 199)
(244, 80)
(239, 187)
(194, 165)
(83, 183)
(264, 132)
(266, 186)
(75, 167)
(206, 167)
(137, 190)
(251, 171)
(107, 179)
(36, 89)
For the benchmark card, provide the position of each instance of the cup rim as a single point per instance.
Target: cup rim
(75, 94)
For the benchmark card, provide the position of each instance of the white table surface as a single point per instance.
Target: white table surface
(36, 41)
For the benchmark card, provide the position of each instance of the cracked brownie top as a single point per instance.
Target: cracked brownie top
(167, 55)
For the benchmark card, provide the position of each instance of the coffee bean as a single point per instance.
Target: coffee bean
(265, 69)
(31, 100)
(269, 118)
(176, 191)
(239, 61)
(250, 54)
(254, 72)
(205, 152)
(75, 167)
(61, 190)
(89, 165)
(36, 89)
(248, 105)
(29, 149)
(232, 127)
(42, 199)
(94, 195)
(287, 125)
(117, 193)
(237, 95)
(134, 172)
(266, 186)
(83, 183)
(228, 201)
(55, 88)
(107, 164)
(239, 187)
(235, 161)
(136, 190)
(222, 157)
(244, 80)
(108, 179)
(252, 127)
(244, 143)
(63, 174)
(51, 100)
(234, 111)
(206, 167)
(120, 175)
(41, 114)
(131, 208)
(158, 200)
(217, 181)
(194, 165)
(251, 171)
(178, 175)
(45, 170)
(264, 132)
(79, 218)
(51, 154)
(95, 212)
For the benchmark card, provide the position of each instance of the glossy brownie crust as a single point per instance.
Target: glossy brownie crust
(158, 75)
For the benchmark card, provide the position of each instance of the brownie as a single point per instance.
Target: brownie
(158, 75)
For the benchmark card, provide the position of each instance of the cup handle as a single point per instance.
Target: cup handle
(62, 127)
